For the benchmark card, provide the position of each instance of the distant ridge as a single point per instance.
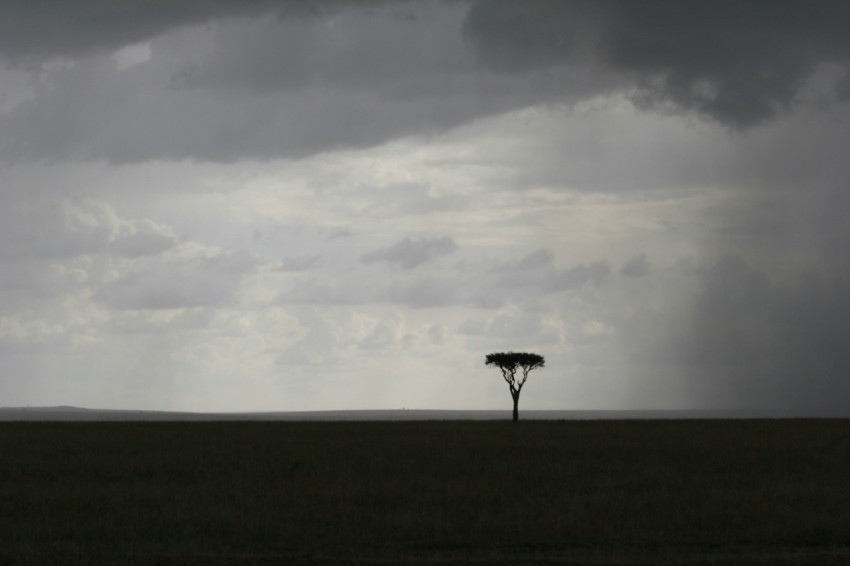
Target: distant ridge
(69, 413)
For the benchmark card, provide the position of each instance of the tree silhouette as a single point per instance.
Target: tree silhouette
(509, 363)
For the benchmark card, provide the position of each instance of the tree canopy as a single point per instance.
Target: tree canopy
(515, 359)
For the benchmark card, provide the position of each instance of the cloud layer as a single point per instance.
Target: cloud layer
(257, 80)
(262, 205)
(740, 64)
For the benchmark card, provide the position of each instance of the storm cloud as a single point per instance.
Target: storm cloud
(67, 29)
(223, 81)
(738, 63)
(206, 84)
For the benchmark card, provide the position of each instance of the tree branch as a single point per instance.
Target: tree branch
(508, 373)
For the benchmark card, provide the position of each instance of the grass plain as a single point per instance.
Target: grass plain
(583, 492)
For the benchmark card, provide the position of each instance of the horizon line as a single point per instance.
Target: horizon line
(74, 413)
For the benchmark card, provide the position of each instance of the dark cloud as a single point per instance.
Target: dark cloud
(537, 273)
(267, 79)
(348, 48)
(410, 253)
(637, 266)
(737, 62)
(44, 29)
(261, 88)
(265, 86)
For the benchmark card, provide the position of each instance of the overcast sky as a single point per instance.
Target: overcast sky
(262, 205)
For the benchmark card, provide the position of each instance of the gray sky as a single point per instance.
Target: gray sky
(223, 206)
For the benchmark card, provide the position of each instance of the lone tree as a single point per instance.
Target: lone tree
(509, 363)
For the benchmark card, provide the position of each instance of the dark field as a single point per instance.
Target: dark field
(599, 492)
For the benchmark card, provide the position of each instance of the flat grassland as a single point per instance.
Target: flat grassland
(584, 492)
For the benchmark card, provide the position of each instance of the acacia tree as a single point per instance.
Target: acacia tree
(509, 363)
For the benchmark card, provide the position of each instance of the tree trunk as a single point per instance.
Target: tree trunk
(516, 408)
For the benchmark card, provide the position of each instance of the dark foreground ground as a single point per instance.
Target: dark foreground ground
(583, 492)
